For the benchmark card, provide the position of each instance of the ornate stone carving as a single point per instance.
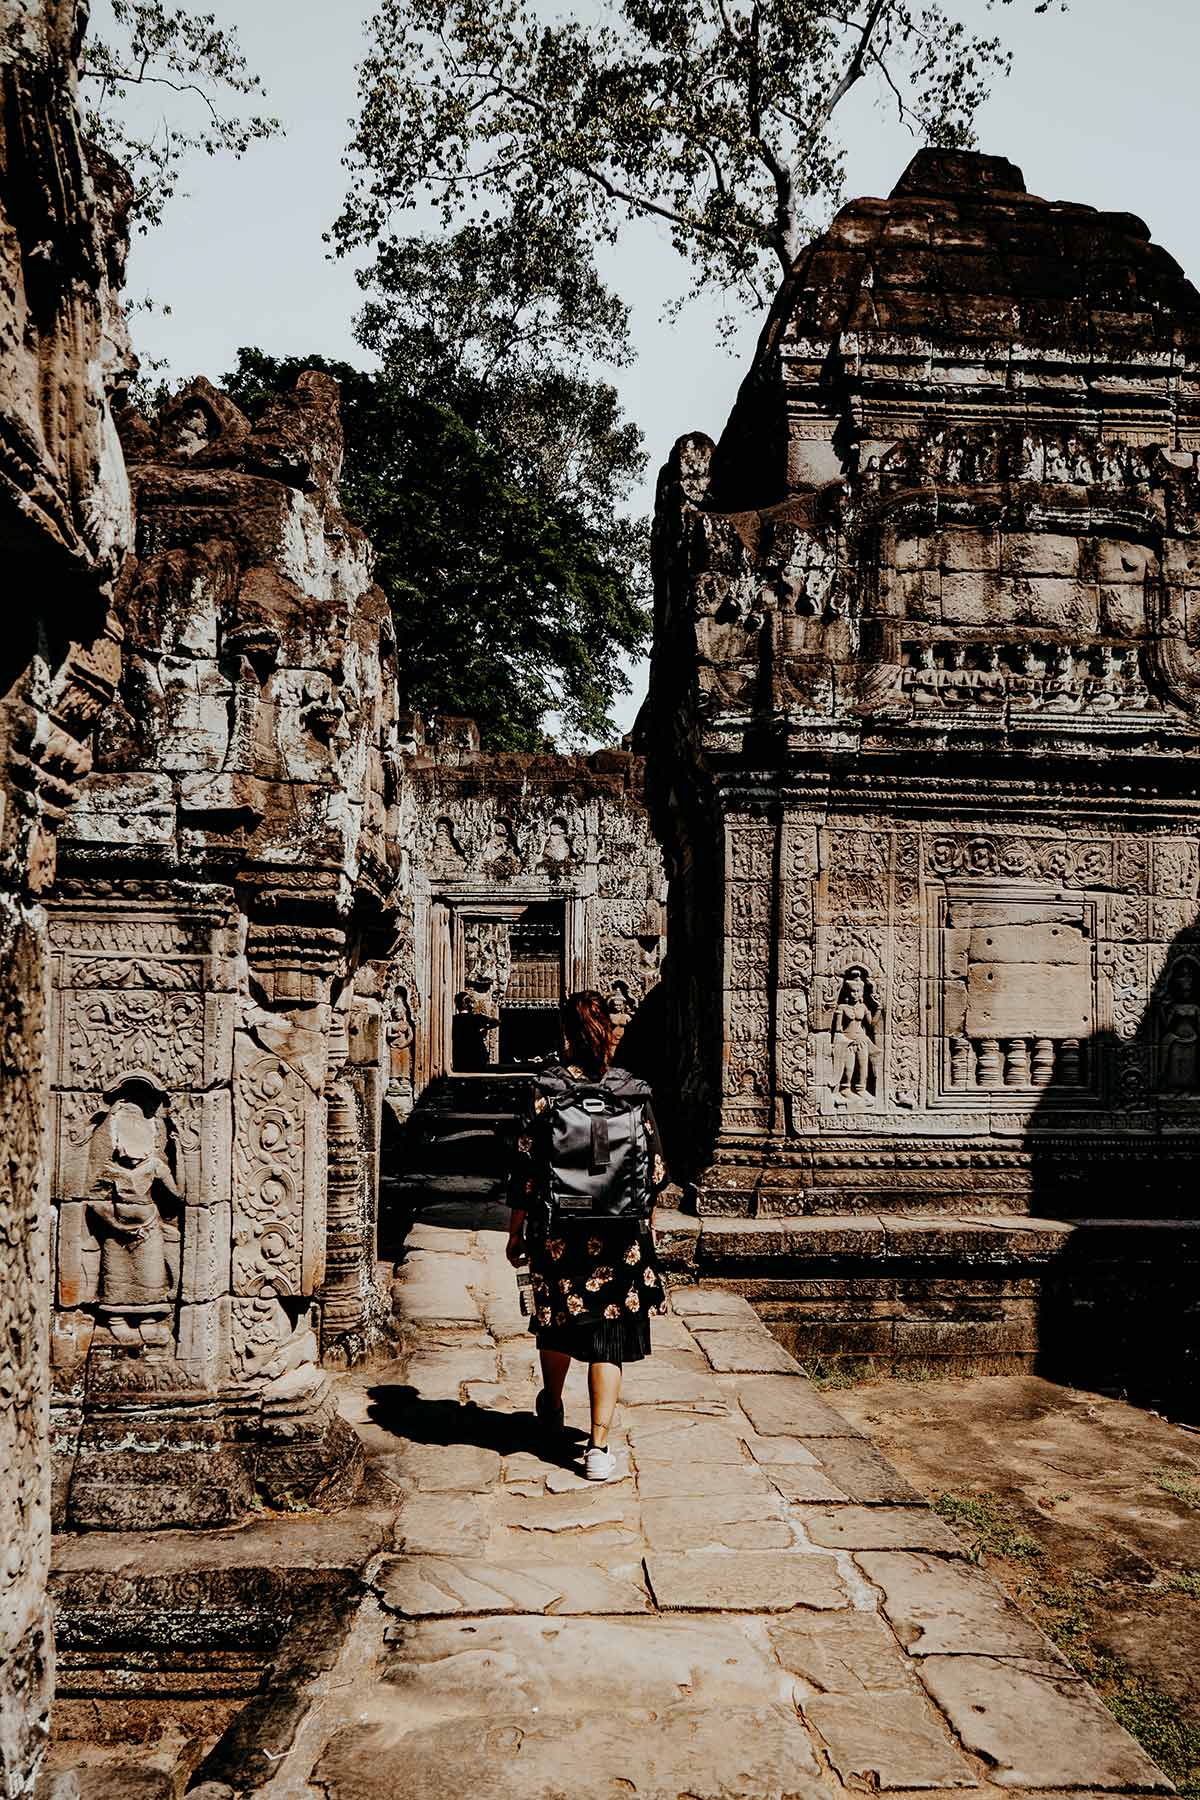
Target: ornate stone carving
(1179, 1031)
(855, 1033)
(246, 775)
(132, 1208)
(943, 628)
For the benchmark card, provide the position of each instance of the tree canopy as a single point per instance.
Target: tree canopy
(191, 65)
(516, 590)
(716, 117)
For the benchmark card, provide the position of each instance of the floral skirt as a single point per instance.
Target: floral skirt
(594, 1288)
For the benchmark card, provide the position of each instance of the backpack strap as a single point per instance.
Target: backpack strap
(600, 1143)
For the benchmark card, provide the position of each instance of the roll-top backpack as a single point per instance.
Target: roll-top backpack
(599, 1157)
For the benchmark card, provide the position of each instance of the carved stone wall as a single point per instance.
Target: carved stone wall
(530, 876)
(923, 725)
(230, 865)
(64, 507)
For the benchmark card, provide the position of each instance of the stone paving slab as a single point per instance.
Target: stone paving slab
(842, 1653)
(858, 1472)
(742, 1351)
(439, 1586)
(888, 1741)
(672, 1438)
(442, 1525)
(726, 1522)
(760, 1609)
(666, 1481)
(1038, 1725)
(789, 1406)
(708, 1753)
(710, 1303)
(877, 1528)
(759, 1581)
(939, 1608)
(448, 1668)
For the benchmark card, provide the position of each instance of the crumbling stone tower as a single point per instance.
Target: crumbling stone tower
(924, 724)
(230, 866)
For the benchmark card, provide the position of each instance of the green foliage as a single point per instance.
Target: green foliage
(1181, 1484)
(515, 592)
(831, 1373)
(1151, 1717)
(1064, 1611)
(1185, 1581)
(714, 117)
(190, 65)
(988, 1527)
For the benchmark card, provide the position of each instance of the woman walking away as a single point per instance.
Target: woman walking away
(588, 1169)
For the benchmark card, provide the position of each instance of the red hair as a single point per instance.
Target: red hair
(587, 1032)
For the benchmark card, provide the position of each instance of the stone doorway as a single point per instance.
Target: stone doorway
(509, 963)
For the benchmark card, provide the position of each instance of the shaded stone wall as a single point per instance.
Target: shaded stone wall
(527, 877)
(64, 509)
(230, 865)
(923, 722)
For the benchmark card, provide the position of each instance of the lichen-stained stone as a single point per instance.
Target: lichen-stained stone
(886, 1741)
(64, 528)
(757, 1753)
(940, 1607)
(921, 744)
(217, 1076)
(1037, 1725)
(743, 1581)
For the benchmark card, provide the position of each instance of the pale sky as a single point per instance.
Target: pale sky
(1100, 108)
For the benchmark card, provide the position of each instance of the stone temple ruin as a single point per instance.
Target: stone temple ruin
(919, 754)
(924, 729)
(228, 868)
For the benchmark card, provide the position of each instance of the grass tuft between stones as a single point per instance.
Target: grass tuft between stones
(1181, 1484)
(1063, 1611)
(987, 1527)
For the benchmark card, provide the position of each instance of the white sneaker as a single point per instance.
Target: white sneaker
(599, 1465)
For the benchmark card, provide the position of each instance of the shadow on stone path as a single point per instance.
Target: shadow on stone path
(759, 1607)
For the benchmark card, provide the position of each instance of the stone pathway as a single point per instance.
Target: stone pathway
(759, 1607)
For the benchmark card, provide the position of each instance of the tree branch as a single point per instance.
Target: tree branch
(852, 73)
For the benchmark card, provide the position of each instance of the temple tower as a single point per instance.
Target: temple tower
(924, 721)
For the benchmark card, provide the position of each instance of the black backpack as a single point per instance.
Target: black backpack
(598, 1163)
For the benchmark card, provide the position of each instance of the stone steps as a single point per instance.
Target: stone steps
(1104, 1302)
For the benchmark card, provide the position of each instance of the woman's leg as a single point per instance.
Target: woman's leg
(555, 1364)
(604, 1390)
